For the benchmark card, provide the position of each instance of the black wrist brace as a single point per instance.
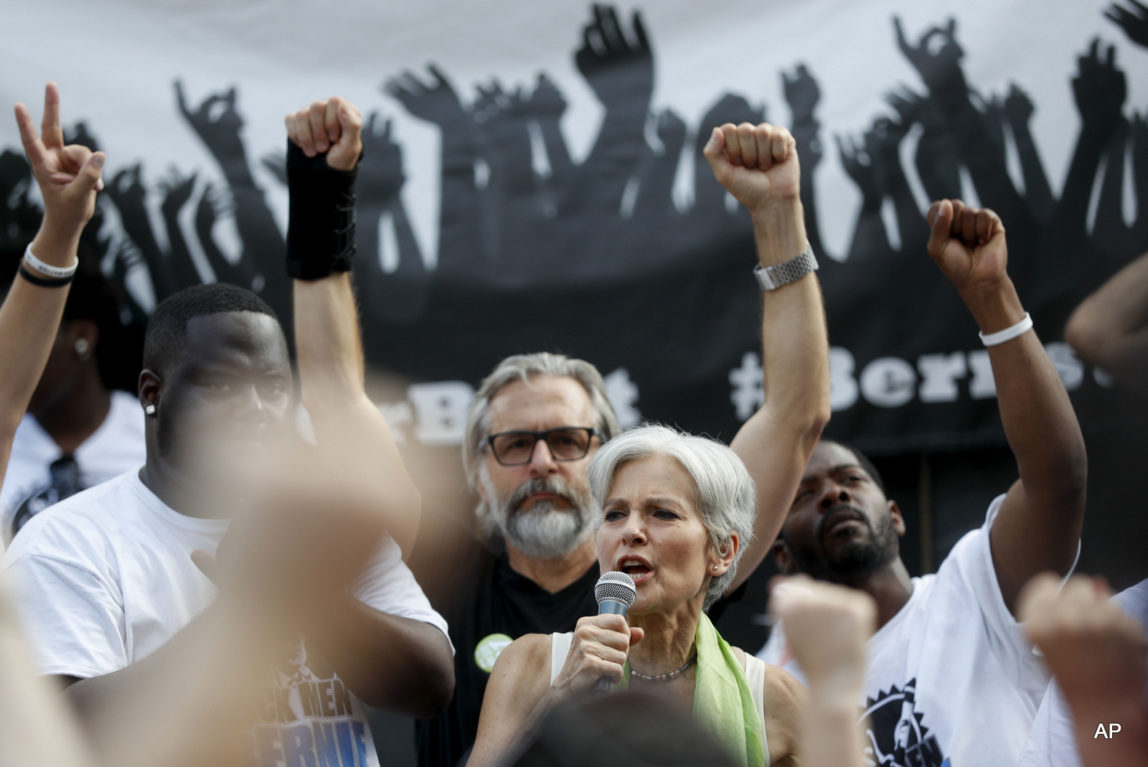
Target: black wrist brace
(321, 218)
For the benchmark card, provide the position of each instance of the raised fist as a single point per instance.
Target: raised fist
(757, 164)
(1097, 653)
(333, 127)
(968, 244)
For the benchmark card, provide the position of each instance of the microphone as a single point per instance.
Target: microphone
(615, 592)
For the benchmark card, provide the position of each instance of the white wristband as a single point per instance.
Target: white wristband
(59, 272)
(1008, 334)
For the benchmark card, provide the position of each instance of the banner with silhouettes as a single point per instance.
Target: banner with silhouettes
(533, 180)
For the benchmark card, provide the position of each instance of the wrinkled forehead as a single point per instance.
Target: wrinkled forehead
(236, 339)
(541, 402)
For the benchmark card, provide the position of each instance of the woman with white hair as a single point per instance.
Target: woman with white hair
(677, 512)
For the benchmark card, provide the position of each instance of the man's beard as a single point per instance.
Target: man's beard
(851, 563)
(543, 531)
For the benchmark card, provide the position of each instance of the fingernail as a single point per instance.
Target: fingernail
(98, 161)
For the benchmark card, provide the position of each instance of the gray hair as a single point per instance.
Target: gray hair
(726, 496)
(523, 367)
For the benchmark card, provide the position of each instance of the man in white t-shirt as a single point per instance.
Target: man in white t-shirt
(952, 679)
(117, 574)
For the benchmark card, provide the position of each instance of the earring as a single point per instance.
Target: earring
(81, 347)
(149, 409)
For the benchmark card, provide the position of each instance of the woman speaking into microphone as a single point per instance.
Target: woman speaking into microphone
(677, 512)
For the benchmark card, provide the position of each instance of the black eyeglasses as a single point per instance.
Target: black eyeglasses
(566, 443)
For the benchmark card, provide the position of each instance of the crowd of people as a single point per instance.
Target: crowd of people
(232, 586)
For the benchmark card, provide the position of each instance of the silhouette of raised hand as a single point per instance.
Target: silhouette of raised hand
(656, 190)
(936, 57)
(176, 190)
(936, 158)
(620, 71)
(433, 100)
(1018, 110)
(857, 163)
(869, 236)
(802, 94)
(381, 168)
(547, 105)
(1099, 87)
(883, 145)
(215, 121)
(126, 258)
(1132, 17)
(1018, 107)
(127, 192)
(212, 205)
(547, 102)
(992, 113)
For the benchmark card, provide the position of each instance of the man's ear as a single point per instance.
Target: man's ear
(898, 520)
(783, 558)
(149, 388)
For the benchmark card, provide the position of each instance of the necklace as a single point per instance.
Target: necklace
(666, 677)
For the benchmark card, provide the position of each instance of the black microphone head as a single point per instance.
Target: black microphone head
(616, 586)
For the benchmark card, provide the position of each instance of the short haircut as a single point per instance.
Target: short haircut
(167, 328)
(862, 461)
(523, 367)
(726, 495)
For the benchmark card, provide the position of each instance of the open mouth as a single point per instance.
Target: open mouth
(637, 569)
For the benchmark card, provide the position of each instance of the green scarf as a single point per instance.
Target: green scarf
(723, 702)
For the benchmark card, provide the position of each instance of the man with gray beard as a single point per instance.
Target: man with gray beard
(536, 421)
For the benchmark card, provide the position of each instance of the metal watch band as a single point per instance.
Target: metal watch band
(773, 277)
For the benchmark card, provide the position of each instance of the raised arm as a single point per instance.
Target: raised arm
(69, 177)
(827, 627)
(386, 660)
(759, 166)
(1110, 327)
(1040, 521)
(36, 728)
(1099, 656)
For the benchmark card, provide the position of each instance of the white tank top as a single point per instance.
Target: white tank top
(754, 676)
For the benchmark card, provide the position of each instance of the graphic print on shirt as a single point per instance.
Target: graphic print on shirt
(895, 732)
(308, 719)
(64, 481)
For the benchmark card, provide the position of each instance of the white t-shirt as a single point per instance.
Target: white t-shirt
(952, 679)
(105, 578)
(115, 447)
(1052, 741)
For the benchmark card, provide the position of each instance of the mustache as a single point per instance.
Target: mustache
(836, 513)
(538, 485)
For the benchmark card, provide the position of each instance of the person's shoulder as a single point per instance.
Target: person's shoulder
(782, 688)
(81, 530)
(86, 512)
(522, 671)
(528, 652)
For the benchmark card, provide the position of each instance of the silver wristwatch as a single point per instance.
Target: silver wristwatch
(773, 277)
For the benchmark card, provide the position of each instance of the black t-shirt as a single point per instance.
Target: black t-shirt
(492, 599)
